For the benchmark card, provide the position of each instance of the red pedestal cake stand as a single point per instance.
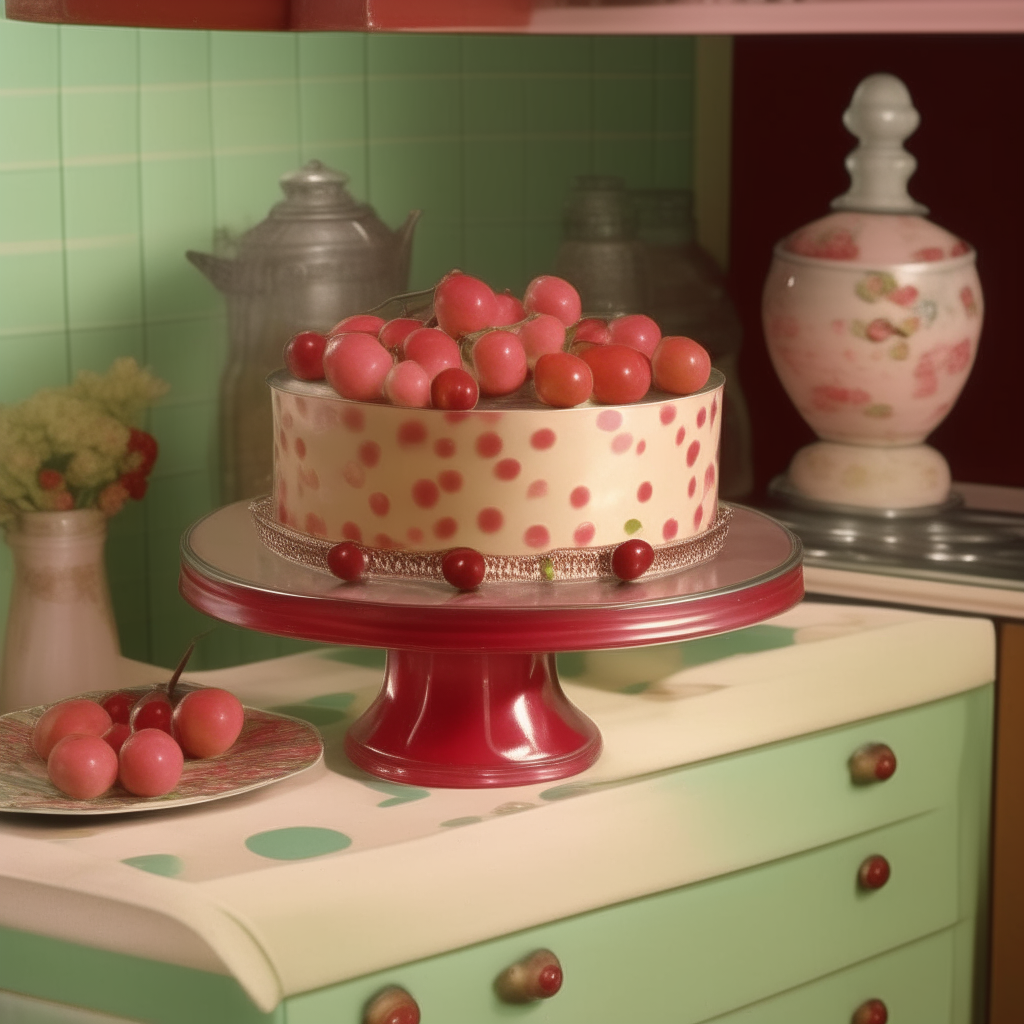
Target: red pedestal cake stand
(471, 696)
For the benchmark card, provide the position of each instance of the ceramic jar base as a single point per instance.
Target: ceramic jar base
(909, 476)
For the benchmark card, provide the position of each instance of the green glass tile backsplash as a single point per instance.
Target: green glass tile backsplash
(121, 148)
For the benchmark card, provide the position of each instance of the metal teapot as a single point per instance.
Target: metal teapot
(319, 256)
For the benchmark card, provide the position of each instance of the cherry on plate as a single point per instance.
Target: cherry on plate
(152, 711)
(150, 763)
(82, 766)
(78, 715)
(207, 722)
(119, 705)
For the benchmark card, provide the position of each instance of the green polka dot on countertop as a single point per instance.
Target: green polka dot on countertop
(319, 711)
(459, 822)
(398, 792)
(365, 657)
(299, 842)
(165, 864)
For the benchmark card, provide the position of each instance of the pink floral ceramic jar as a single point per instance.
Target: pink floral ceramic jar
(872, 316)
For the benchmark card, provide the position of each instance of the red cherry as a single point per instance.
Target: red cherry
(632, 558)
(562, 380)
(365, 323)
(119, 706)
(82, 766)
(153, 711)
(593, 330)
(463, 304)
(304, 355)
(549, 980)
(680, 365)
(621, 374)
(347, 561)
(554, 295)
(463, 568)
(117, 734)
(78, 715)
(508, 310)
(874, 872)
(454, 388)
(874, 1011)
(635, 331)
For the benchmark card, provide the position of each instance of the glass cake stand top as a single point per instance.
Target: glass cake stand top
(471, 696)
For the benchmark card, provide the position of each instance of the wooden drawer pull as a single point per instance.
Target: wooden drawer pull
(874, 1011)
(392, 1006)
(539, 976)
(874, 872)
(874, 762)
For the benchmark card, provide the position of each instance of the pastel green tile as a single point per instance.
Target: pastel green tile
(623, 104)
(253, 56)
(176, 121)
(424, 175)
(496, 55)
(674, 54)
(185, 433)
(189, 355)
(29, 55)
(98, 56)
(493, 106)
(624, 54)
(30, 211)
(551, 166)
(673, 105)
(673, 163)
(409, 54)
(246, 186)
(558, 106)
(332, 111)
(250, 116)
(495, 175)
(169, 56)
(495, 252)
(100, 126)
(101, 205)
(96, 349)
(540, 245)
(104, 285)
(30, 362)
(173, 501)
(629, 158)
(561, 54)
(414, 107)
(177, 215)
(31, 292)
(330, 54)
(438, 248)
(29, 131)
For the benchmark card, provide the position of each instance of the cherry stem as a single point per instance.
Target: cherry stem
(181, 664)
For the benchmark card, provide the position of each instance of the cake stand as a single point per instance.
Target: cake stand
(471, 696)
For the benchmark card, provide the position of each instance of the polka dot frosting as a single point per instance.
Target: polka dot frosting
(692, 452)
(380, 504)
(450, 481)
(412, 432)
(579, 496)
(680, 436)
(490, 520)
(583, 534)
(507, 469)
(537, 537)
(445, 528)
(488, 445)
(622, 443)
(369, 453)
(702, 415)
(542, 439)
(444, 447)
(644, 491)
(609, 419)
(425, 493)
(538, 489)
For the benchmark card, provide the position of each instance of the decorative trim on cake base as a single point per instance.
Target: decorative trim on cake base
(557, 564)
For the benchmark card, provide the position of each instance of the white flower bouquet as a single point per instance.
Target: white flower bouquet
(77, 446)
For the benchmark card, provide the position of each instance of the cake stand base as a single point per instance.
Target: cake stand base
(447, 718)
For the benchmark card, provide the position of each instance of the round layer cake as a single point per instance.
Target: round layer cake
(541, 492)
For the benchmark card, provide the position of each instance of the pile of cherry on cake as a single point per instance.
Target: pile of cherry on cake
(139, 741)
(482, 343)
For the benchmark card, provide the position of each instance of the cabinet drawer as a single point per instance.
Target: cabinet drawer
(914, 982)
(685, 955)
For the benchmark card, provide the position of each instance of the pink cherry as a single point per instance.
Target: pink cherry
(356, 366)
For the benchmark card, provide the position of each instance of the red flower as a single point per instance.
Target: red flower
(143, 445)
(50, 480)
(135, 483)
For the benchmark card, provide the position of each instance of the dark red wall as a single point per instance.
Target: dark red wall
(787, 164)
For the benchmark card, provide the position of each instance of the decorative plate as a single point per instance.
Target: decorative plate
(270, 748)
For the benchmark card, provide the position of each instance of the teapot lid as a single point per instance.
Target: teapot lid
(316, 190)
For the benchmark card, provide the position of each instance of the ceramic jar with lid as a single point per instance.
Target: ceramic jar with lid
(872, 316)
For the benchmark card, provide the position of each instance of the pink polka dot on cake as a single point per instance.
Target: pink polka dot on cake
(583, 534)
(450, 480)
(622, 443)
(691, 487)
(507, 469)
(698, 516)
(692, 452)
(714, 409)
(644, 491)
(411, 432)
(380, 504)
(579, 497)
(702, 415)
(641, 447)
(282, 512)
(709, 477)
(456, 417)
(670, 529)
(301, 406)
(609, 419)
(488, 445)
(680, 435)
(369, 453)
(445, 528)
(667, 414)
(415, 534)
(315, 525)
(300, 447)
(287, 421)
(536, 537)
(284, 441)
(310, 478)
(353, 474)
(444, 447)
(353, 419)
(542, 439)
(490, 520)
(350, 531)
(425, 493)
(538, 489)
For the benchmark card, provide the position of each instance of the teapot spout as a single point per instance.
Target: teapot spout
(220, 271)
(404, 245)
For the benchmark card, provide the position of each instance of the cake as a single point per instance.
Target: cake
(541, 492)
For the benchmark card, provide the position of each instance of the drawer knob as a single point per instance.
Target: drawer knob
(874, 762)
(539, 976)
(874, 872)
(392, 1006)
(874, 1011)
